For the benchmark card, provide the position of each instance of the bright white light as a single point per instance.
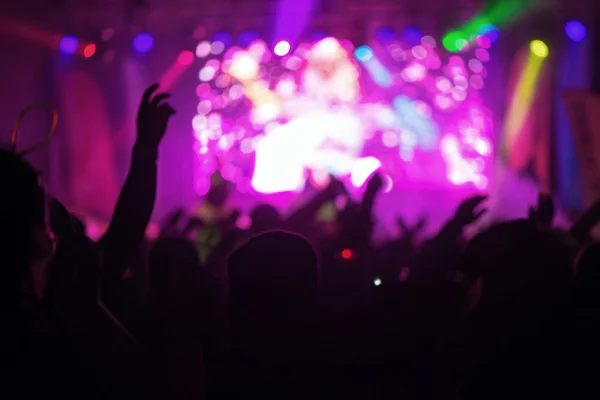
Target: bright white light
(282, 48)
(363, 169)
(267, 112)
(326, 49)
(244, 66)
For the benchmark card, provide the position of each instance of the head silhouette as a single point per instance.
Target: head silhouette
(23, 236)
(588, 267)
(274, 271)
(519, 262)
(265, 217)
(172, 263)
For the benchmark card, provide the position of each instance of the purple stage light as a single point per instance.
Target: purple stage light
(246, 38)
(68, 45)
(143, 42)
(575, 31)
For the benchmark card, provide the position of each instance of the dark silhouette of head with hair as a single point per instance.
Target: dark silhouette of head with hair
(272, 271)
(518, 261)
(272, 285)
(172, 262)
(587, 268)
(23, 235)
(265, 217)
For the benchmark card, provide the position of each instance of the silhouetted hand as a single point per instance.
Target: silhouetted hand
(408, 232)
(152, 119)
(334, 188)
(467, 212)
(580, 231)
(375, 184)
(543, 214)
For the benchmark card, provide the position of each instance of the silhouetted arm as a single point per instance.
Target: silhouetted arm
(306, 214)
(136, 201)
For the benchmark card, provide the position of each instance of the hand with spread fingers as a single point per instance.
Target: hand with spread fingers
(543, 214)
(152, 119)
(468, 211)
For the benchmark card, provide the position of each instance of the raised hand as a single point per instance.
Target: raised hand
(468, 211)
(543, 214)
(375, 184)
(411, 232)
(152, 119)
(335, 188)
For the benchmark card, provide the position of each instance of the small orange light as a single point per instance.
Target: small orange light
(346, 254)
(89, 50)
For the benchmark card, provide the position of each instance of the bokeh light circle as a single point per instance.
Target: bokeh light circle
(282, 48)
(576, 31)
(143, 42)
(539, 49)
(68, 45)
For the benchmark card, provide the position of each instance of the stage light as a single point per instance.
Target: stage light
(203, 49)
(68, 45)
(493, 35)
(282, 48)
(539, 48)
(576, 31)
(143, 42)
(246, 38)
(207, 73)
(363, 53)
(411, 35)
(451, 40)
(385, 35)
(223, 37)
(318, 35)
(346, 254)
(377, 281)
(107, 34)
(217, 47)
(186, 57)
(244, 66)
(89, 50)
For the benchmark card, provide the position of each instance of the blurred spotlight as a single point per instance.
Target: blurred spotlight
(143, 42)
(411, 35)
(89, 50)
(318, 35)
(186, 57)
(282, 48)
(203, 49)
(217, 47)
(575, 31)
(346, 254)
(223, 37)
(377, 281)
(68, 45)
(246, 38)
(539, 48)
(493, 34)
(244, 67)
(363, 53)
(107, 34)
(385, 35)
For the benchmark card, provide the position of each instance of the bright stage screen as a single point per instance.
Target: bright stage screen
(277, 123)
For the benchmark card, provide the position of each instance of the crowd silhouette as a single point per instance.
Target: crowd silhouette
(290, 307)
